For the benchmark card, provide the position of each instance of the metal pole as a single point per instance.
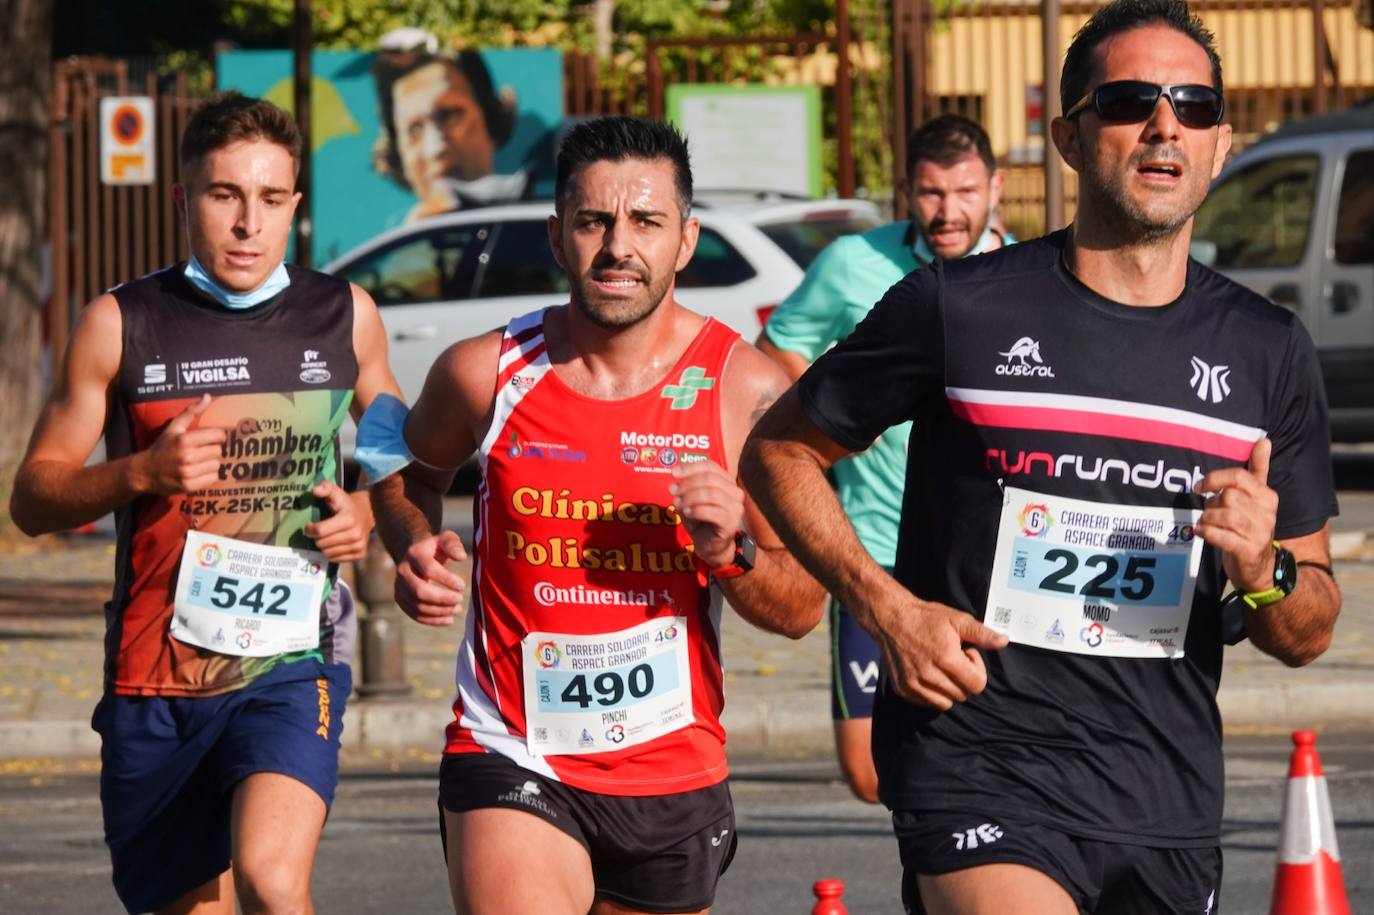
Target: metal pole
(1319, 52)
(901, 109)
(1054, 175)
(381, 626)
(60, 316)
(302, 38)
(844, 102)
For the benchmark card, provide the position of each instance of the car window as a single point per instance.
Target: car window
(803, 240)
(715, 263)
(1261, 216)
(519, 262)
(432, 266)
(1355, 210)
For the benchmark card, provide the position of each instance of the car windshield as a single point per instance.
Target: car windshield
(804, 239)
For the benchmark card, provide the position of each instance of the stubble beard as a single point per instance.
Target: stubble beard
(1128, 221)
(619, 313)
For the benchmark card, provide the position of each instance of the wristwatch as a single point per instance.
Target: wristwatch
(745, 549)
(1285, 580)
(1233, 607)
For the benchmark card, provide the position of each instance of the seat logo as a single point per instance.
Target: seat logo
(1210, 382)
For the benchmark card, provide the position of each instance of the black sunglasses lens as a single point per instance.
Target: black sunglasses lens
(1126, 101)
(1197, 106)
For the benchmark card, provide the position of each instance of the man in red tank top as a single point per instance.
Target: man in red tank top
(609, 529)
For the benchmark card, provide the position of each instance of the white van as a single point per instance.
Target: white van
(1292, 217)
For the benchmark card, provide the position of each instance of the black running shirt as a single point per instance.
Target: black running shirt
(1018, 376)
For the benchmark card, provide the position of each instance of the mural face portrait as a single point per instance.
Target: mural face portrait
(440, 128)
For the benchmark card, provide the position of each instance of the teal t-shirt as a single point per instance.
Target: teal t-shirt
(841, 285)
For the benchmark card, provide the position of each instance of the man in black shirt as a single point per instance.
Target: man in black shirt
(1105, 435)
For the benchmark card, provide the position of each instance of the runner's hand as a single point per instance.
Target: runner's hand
(712, 507)
(925, 654)
(183, 459)
(425, 589)
(1238, 519)
(342, 536)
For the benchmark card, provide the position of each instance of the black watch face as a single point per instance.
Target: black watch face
(1285, 570)
(745, 550)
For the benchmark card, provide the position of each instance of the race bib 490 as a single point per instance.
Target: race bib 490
(593, 693)
(1093, 578)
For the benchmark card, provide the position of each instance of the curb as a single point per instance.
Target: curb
(1292, 706)
(797, 725)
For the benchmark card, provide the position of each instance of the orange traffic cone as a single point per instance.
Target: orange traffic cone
(1308, 879)
(828, 893)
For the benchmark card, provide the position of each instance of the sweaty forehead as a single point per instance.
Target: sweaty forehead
(1154, 54)
(630, 184)
(249, 164)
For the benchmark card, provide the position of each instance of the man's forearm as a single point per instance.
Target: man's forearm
(1297, 629)
(791, 489)
(56, 496)
(777, 595)
(406, 510)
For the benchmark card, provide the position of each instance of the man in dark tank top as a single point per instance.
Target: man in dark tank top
(219, 386)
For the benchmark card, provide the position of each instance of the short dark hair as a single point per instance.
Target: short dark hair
(230, 117)
(946, 139)
(1123, 16)
(390, 67)
(615, 139)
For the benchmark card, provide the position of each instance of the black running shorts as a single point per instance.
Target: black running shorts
(1103, 878)
(663, 853)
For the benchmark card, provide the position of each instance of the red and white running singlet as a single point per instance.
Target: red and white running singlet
(592, 652)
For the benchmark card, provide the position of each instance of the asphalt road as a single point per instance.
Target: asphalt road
(380, 851)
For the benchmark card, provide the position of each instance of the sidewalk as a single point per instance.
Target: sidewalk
(777, 702)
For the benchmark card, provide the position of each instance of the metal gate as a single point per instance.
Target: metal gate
(102, 235)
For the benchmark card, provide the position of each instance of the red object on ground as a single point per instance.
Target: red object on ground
(1308, 879)
(828, 893)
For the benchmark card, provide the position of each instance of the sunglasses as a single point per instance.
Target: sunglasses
(1128, 101)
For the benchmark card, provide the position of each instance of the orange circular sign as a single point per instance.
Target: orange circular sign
(127, 124)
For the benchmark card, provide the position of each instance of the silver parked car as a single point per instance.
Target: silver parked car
(464, 273)
(1292, 217)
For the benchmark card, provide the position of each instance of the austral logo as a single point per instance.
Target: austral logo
(1021, 351)
(1211, 383)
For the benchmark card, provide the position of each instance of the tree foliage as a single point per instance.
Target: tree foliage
(160, 27)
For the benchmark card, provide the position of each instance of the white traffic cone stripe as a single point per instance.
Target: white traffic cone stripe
(1307, 825)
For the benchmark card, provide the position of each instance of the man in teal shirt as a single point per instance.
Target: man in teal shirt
(954, 185)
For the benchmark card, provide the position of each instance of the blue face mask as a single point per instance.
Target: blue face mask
(199, 278)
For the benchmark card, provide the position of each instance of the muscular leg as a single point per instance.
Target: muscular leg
(276, 823)
(853, 746)
(214, 897)
(507, 862)
(994, 889)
